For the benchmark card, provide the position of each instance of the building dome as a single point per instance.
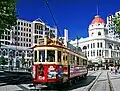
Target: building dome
(98, 19)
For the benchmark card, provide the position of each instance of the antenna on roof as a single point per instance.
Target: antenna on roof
(97, 8)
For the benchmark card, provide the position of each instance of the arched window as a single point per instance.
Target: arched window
(99, 33)
(17, 53)
(84, 47)
(79, 49)
(118, 48)
(110, 46)
(4, 52)
(98, 24)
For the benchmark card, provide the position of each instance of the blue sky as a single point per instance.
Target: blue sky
(74, 15)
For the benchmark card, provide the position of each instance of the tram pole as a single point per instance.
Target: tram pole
(77, 42)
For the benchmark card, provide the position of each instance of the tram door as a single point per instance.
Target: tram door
(65, 63)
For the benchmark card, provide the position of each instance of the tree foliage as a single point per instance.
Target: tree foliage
(2, 60)
(116, 22)
(8, 15)
(23, 59)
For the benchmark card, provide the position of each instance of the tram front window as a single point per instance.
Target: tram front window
(35, 55)
(84, 62)
(59, 56)
(42, 56)
(50, 56)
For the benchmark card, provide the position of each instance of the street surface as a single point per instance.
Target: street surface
(13, 82)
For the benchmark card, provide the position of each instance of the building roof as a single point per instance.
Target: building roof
(39, 20)
(98, 19)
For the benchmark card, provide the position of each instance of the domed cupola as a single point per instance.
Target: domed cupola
(97, 27)
(97, 20)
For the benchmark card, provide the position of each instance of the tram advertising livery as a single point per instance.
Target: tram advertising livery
(56, 63)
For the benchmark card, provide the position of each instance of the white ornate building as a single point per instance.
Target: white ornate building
(100, 46)
(19, 40)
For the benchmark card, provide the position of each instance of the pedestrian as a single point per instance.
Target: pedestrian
(111, 69)
(115, 70)
(94, 68)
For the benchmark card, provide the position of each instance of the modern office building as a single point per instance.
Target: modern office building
(21, 38)
(110, 25)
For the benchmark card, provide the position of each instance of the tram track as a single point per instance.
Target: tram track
(88, 88)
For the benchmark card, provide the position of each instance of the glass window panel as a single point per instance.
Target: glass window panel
(50, 56)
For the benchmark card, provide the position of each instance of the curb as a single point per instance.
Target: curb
(2, 84)
(88, 88)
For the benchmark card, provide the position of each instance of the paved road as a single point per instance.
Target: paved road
(91, 74)
(11, 81)
(22, 86)
(79, 86)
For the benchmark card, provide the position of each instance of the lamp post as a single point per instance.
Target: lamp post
(10, 59)
(16, 44)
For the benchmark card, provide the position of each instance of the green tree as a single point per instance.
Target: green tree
(8, 15)
(116, 22)
(23, 60)
(2, 61)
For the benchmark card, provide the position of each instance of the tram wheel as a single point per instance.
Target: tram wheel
(74, 81)
(84, 76)
(70, 82)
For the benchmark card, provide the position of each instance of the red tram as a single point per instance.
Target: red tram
(55, 63)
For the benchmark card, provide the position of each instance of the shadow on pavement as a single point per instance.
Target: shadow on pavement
(17, 79)
(79, 83)
(14, 78)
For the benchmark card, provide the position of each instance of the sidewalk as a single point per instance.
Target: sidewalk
(102, 83)
(115, 80)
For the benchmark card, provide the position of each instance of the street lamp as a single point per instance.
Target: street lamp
(16, 44)
(10, 60)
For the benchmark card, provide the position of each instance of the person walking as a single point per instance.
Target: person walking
(115, 70)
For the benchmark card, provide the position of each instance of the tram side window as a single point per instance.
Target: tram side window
(35, 53)
(64, 57)
(77, 60)
(71, 60)
(59, 56)
(50, 56)
(67, 57)
(42, 56)
(84, 62)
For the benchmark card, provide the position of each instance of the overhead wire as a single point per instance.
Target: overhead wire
(53, 17)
